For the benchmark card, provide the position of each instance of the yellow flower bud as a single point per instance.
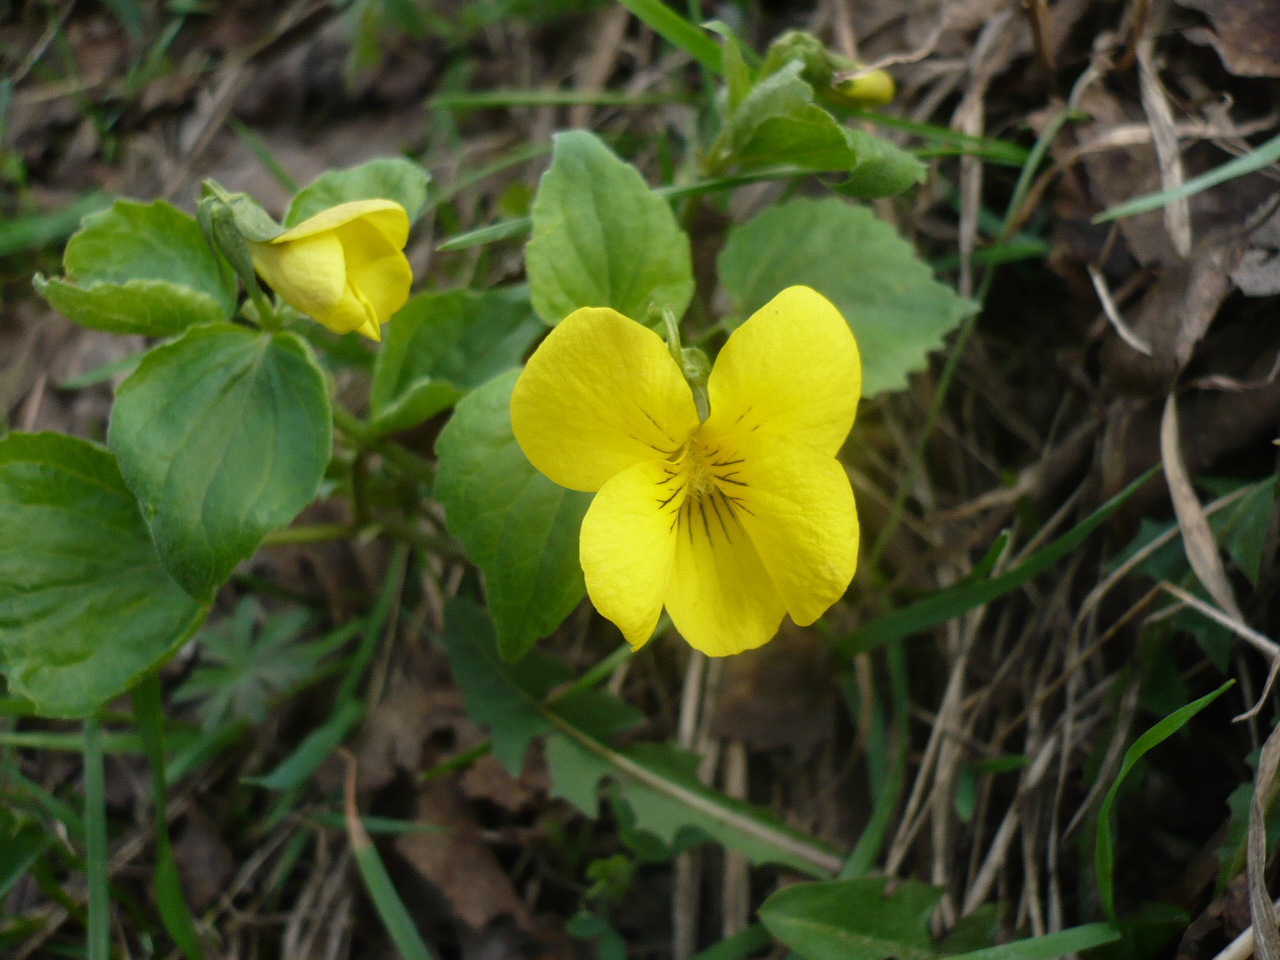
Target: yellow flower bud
(864, 88)
(345, 267)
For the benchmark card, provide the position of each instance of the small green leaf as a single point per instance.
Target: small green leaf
(85, 606)
(854, 919)
(141, 268)
(440, 346)
(517, 526)
(223, 436)
(779, 123)
(1103, 856)
(242, 666)
(888, 296)
(387, 178)
(601, 238)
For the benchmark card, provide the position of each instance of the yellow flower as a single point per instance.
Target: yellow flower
(344, 267)
(729, 523)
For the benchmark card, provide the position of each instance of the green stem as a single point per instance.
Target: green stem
(407, 463)
(310, 533)
(95, 826)
(148, 712)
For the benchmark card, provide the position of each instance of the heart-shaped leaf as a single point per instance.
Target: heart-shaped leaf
(223, 436)
(518, 527)
(141, 268)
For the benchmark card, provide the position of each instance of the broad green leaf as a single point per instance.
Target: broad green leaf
(387, 178)
(440, 346)
(517, 526)
(862, 920)
(658, 782)
(1103, 857)
(151, 308)
(854, 919)
(85, 606)
(888, 296)
(601, 238)
(223, 436)
(779, 123)
(141, 268)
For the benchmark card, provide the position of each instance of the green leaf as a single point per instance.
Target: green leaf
(601, 238)
(85, 606)
(387, 178)
(860, 920)
(223, 436)
(1103, 857)
(889, 297)
(141, 268)
(778, 123)
(854, 919)
(658, 782)
(440, 346)
(517, 526)
(505, 701)
(243, 666)
(150, 308)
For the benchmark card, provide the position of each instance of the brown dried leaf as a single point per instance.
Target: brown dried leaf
(1197, 538)
(1266, 938)
(1246, 34)
(457, 862)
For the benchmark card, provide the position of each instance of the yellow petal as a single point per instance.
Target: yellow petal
(599, 395)
(386, 216)
(791, 370)
(797, 506)
(376, 268)
(628, 544)
(371, 329)
(720, 596)
(309, 274)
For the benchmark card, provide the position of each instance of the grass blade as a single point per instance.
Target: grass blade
(98, 946)
(1252, 162)
(1049, 946)
(148, 713)
(480, 99)
(400, 926)
(1103, 855)
(677, 31)
(946, 604)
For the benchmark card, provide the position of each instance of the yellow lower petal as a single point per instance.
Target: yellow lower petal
(720, 596)
(309, 274)
(798, 508)
(627, 546)
(791, 370)
(599, 395)
(376, 268)
(352, 312)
